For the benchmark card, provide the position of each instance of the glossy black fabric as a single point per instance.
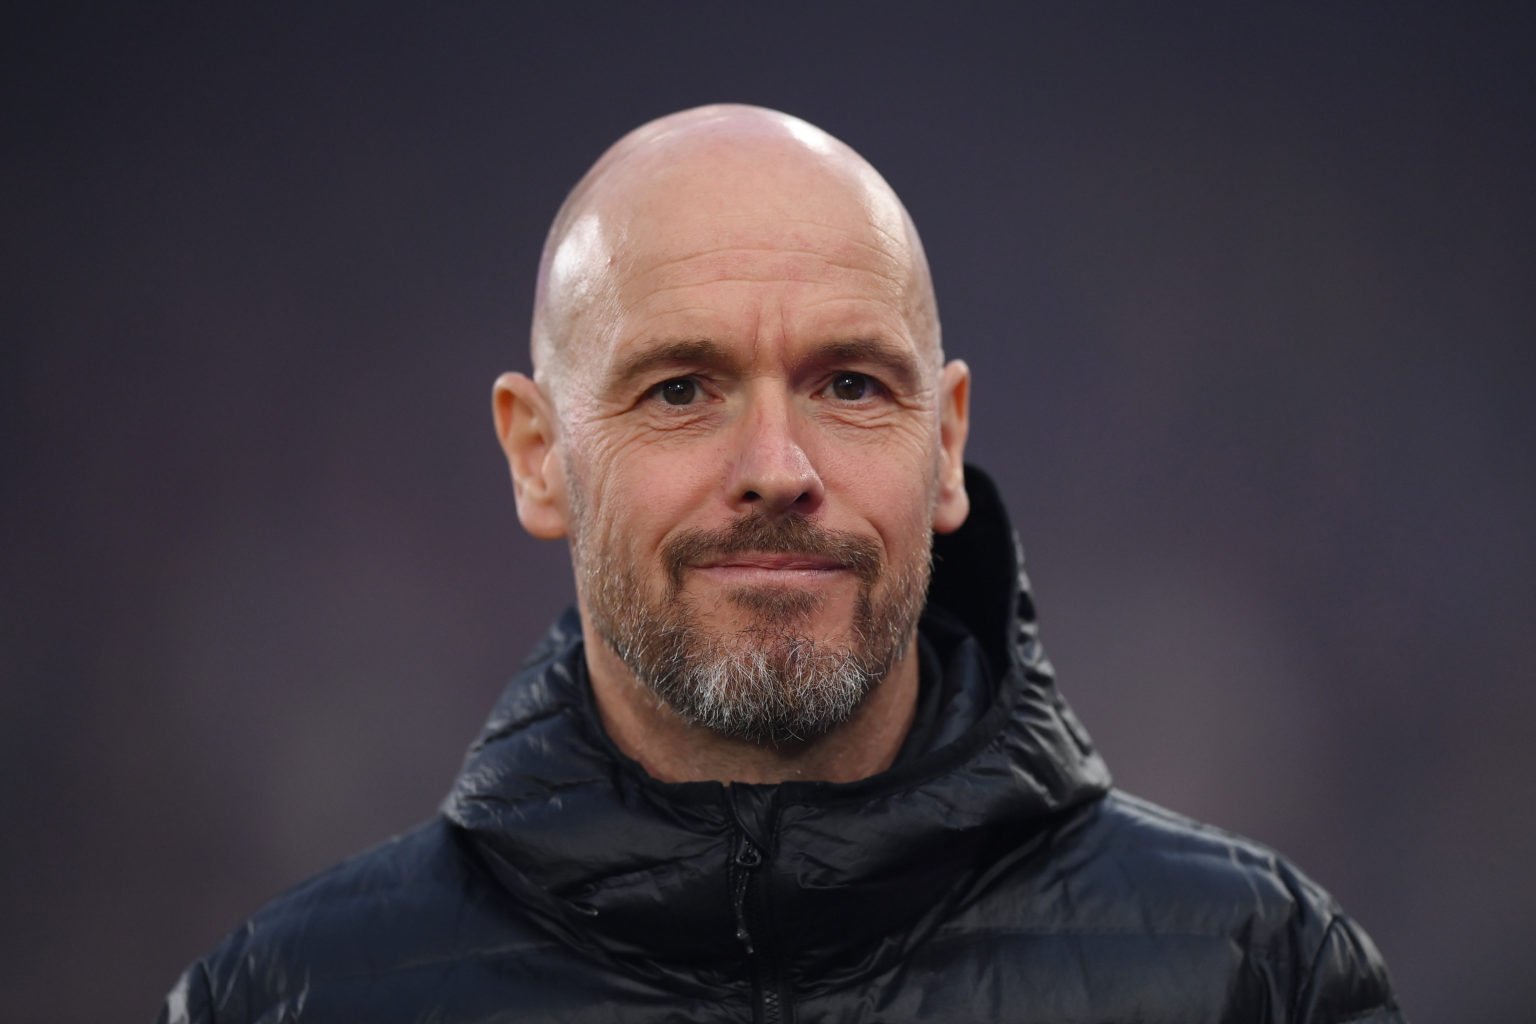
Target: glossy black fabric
(996, 878)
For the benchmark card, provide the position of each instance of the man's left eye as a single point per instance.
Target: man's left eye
(851, 387)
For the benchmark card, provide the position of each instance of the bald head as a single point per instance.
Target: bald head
(735, 330)
(714, 179)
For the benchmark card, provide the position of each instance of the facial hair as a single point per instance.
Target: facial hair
(770, 681)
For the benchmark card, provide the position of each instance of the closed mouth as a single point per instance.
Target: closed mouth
(773, 562)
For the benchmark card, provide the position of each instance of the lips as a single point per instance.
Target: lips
(774, 570)
(774, 562)
(771, 548)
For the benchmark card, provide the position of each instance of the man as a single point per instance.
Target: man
(743, 781)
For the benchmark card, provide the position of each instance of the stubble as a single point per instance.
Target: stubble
(770, 680)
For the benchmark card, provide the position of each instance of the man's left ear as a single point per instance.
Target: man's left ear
(952, 504)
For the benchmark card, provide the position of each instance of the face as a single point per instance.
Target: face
(755, 446)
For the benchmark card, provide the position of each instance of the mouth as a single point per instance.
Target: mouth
(773, 562)
(759, 568)
(758, 550)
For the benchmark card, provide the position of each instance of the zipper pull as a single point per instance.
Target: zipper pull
(748, 859)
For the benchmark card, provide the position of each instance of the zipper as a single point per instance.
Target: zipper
(748, 859)
(768, 1005)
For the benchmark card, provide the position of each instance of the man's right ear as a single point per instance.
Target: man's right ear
(525, 426)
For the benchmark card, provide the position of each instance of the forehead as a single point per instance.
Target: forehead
(697, 263)
(778, 240)
(698, 233)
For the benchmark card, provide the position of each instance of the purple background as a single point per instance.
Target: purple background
(1249, 300)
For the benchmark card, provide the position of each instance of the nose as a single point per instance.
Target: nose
(772, 471)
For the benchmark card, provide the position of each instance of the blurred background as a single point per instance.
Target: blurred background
(1248, 294)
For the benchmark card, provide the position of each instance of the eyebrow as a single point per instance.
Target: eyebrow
(709, 354)
(667, 354)
(896, 361)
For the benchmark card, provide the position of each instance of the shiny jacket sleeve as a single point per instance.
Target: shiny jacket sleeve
(1348, 981)
(189, 1001)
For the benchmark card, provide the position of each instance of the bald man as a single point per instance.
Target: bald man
(776, 766)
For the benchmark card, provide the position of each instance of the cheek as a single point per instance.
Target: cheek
(635, 494)
(660, 472)
(892, 477)
(909, 513)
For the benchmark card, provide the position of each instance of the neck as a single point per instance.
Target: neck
(673, 750)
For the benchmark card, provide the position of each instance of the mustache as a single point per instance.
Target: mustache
(772, 534)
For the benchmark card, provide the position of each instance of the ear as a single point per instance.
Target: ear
(953, 504)
(525, 426)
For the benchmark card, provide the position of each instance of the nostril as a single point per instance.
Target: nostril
(752, 496)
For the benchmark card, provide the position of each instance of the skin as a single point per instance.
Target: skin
(759, 274)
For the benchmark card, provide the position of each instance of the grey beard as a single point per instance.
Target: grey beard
(770, 682)
(760, 684)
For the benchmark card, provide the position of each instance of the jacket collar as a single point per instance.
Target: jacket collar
(636, 871)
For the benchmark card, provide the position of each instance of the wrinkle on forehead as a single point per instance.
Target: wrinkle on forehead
(748, 262)
(701, 182)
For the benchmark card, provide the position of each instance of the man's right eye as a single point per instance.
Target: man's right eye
(678, 391)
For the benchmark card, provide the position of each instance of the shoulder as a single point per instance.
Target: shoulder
(390, 919)
(1186, 879)
(1179, 863)
(1123, 910)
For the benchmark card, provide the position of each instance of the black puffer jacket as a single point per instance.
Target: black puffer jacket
(994, 878)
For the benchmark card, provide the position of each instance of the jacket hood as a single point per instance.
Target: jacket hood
(640, 872)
